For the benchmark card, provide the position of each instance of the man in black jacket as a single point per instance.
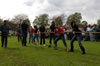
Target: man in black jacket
(24, 27)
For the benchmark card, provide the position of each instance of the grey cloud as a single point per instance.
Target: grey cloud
(57, 3)
(88, 8)
(28, 3)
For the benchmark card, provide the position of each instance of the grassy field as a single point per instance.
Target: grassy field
(34, 55)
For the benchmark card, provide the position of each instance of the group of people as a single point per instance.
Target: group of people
(56, 33)
(92, 36)
(92, 32)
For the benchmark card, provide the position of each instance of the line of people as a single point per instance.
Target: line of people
(56, 33)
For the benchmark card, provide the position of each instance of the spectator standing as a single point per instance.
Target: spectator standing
(5, 31)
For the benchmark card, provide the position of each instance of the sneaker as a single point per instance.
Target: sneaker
(44, 45)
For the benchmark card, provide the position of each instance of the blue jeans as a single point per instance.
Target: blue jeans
(87, 37)
(19, 38)
(79, 38)
(30, 38)
(35, 36)
(58, 38)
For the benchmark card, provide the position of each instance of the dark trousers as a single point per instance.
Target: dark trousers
(35, 36)
(42, 38)
(24, 36)
(52, 37)
(19, 38)
(4, 41)
(58, 38)
(79, 38)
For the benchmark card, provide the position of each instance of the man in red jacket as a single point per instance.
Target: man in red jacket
(59, 32)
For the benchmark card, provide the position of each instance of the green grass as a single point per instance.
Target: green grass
(33, 55)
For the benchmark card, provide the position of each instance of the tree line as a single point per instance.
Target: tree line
(44, 19)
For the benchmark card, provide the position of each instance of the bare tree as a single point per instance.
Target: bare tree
(18, 19)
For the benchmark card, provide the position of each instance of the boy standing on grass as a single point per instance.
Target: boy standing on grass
(59, 32)
(4, 33)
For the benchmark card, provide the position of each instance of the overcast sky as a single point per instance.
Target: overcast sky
(90, 9)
